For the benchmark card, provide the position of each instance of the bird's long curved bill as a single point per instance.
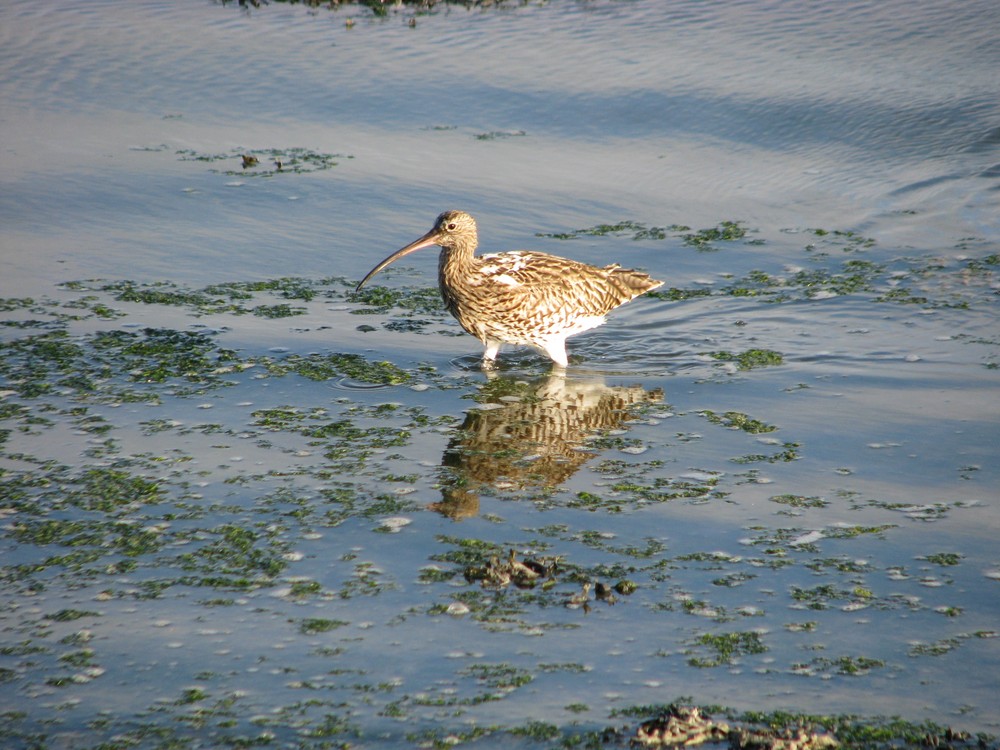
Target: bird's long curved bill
(427, 240)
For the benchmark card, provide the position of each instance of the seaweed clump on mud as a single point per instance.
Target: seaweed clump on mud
(378, 7)
(681, 725)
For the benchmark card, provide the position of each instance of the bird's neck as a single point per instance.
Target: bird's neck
(456, 258)
(456, 267)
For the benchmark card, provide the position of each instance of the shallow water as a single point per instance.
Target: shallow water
(836, 510)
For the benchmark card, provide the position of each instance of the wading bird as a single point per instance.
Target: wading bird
(520, 297)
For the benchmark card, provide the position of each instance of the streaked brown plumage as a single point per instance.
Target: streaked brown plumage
(520, 297)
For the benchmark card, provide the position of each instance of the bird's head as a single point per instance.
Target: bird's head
(451, 230)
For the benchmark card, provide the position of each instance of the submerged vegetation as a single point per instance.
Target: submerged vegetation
(703, 239)
(266, 162)
(380, 8)
(332, 500)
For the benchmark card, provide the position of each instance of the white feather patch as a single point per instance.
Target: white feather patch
(506, 280)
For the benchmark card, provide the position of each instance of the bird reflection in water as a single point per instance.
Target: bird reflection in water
(530, 435)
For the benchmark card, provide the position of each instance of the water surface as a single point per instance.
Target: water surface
(796, 449)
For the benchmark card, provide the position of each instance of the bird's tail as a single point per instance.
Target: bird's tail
(634, 283)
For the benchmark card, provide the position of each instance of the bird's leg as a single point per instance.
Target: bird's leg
(556, 349)
(490, 355)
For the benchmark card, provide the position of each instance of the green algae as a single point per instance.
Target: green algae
(945, 559)
(733, 579)
(68, 615)
(107, 490)
(333, 365)
(120, 536)
(635, 484)
(495, 390)
(703, 239)
(315, 625)
(498, 676)
(41, 364)
(901, 282)
(507, 592)
(750, 358)
(851, 666)
(165, 293)
(380, 299)
(493, 135)
(240, 543)
(267, 162)
(855, 276)
(223, 298)
(872, 733)
(726, 648)
(736, 420)
(287, 287)
(92, 366)
(674, 294)
(233, 550)
(819, 596)
(799, 501)
(789, 452)
(638, 231)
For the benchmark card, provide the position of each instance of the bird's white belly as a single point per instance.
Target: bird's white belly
(534, 332)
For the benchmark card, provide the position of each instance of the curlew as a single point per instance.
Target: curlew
(520, 297)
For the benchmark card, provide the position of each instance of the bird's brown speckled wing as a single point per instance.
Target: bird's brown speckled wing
(530, 297)
(544, 283)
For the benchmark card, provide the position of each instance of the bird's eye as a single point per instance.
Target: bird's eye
(451, 227)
